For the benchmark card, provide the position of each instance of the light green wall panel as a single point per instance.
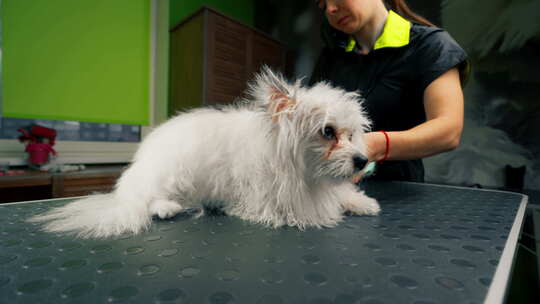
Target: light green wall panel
(241, 10)
(83, 60)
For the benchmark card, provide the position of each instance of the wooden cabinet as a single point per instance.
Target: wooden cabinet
(85, 183)
(35, 185)
(212, 57)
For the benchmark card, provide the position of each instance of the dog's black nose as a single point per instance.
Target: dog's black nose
(359, 162)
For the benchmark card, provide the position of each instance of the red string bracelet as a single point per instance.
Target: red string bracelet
(387, 146)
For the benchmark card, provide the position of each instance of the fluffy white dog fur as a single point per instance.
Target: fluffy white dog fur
(284, 156)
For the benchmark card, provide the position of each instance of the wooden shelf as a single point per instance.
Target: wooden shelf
(32, 185)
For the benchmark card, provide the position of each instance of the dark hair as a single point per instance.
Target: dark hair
(400, 7)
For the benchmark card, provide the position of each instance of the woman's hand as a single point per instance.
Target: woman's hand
(376, 146)
(376, 149)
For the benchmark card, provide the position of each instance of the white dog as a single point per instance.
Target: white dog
(285, 156)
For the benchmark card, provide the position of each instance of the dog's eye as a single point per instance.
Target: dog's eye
(328, 133)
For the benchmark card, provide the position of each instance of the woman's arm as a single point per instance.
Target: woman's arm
(443, 103)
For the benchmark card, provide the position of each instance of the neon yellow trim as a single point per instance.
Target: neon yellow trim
(396, 32)
(350, 45)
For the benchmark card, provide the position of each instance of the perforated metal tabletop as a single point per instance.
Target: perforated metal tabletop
(431, 244)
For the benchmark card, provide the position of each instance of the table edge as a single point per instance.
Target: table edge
(498, 288)
(463, 187)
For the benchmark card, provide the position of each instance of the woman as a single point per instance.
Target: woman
(410, 74)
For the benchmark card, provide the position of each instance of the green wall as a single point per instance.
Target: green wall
(86, 60)
(241, 10)
(82, 60)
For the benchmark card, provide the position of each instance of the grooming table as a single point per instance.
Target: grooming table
(431, 244)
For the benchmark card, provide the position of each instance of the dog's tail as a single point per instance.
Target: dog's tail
(96, 216)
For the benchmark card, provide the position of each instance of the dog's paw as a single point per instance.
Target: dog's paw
(164, 208)
(363, 206)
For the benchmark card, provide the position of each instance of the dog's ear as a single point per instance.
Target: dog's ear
(280, 103)
(270, 90)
